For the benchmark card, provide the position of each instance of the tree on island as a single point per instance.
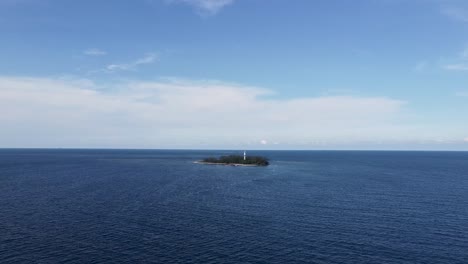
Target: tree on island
(237, 159)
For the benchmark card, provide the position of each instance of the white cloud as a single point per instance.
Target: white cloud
(209, 7)
(465, 139)
(263, 142)
(148, 59)
(456, 13)
(41, 112)
(94, 52)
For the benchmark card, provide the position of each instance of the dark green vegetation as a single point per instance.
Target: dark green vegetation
(237, 159)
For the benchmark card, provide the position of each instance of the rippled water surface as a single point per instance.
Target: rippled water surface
(134, 206)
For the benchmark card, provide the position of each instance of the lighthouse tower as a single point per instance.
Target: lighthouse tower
(244, 155)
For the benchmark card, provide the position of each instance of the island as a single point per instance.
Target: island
(236, 160)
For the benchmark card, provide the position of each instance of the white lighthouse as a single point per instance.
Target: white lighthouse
(244, 155)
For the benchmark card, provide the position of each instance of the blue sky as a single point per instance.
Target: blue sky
(276, 74)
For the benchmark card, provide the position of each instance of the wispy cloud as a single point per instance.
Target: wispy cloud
(147, 59)
(456, 67)
(456, 13)
(94, 52)
(462, 94)
(421, 66)
(182, 114)
(205, 7)
(464, 54)
(460, 63)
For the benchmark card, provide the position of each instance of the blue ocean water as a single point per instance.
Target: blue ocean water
(154, 206)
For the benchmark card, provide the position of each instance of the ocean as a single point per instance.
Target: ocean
(157, 206)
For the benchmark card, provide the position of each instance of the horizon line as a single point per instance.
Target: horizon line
(213, 149)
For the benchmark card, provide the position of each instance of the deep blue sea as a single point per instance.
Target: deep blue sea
(157, 206)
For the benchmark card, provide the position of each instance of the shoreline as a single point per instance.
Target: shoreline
(227, 164)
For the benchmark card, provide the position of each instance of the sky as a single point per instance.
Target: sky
(234, 74)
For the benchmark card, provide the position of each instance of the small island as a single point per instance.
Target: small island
(236, 160)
